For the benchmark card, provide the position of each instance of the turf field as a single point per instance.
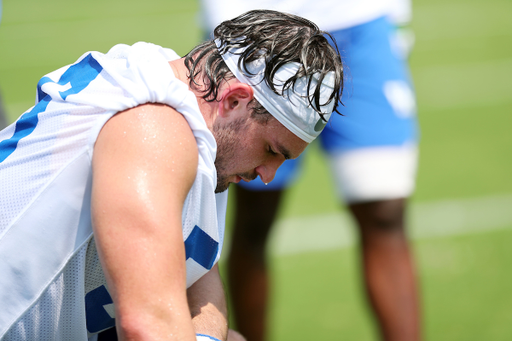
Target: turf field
(461, 220)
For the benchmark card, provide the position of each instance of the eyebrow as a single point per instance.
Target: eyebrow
(283, 150)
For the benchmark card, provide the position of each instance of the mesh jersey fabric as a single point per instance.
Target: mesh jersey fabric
(52, 287)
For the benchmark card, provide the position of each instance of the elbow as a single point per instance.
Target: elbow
(131, 328)
(138, 326)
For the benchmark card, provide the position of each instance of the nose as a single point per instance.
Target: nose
(267, 171)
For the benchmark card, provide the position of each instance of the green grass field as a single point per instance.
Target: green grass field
(462, 68)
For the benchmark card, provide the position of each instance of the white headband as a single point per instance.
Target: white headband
(292, 109)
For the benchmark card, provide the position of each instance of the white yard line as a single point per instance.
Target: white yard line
(431, 219)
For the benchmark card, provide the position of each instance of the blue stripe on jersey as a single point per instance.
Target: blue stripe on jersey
(208, 337)
(77, 75)
(201, 247)
(24, 126)
(80, 75)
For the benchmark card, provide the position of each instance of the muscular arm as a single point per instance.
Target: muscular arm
(144, 163)
(208, 305)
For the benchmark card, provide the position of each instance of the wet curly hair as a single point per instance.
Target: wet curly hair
(278, 37)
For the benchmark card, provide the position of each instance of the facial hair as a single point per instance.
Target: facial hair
(228, 140)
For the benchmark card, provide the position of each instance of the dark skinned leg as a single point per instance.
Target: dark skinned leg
(248, 274)
(388, 268)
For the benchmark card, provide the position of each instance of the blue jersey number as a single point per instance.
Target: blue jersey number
(201, 247)
(99, 309)
(99, 305)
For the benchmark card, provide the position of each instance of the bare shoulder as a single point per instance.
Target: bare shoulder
(152, 143)
(149, 125)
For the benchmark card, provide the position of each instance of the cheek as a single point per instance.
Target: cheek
(250, 150)
(250, 155)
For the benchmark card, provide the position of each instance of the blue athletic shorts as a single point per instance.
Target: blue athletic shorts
(378, 99)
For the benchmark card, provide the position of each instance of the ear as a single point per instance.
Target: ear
(235, 97)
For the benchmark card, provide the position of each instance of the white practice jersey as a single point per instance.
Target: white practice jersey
(329, 15)
(51, 284)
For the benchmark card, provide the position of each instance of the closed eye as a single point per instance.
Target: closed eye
(271, 151)
(281, 151)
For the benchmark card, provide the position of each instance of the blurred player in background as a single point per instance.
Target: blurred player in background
(372, 152)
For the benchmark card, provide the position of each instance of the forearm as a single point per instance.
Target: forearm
(150, 302)
(146, 280)
(207, 305)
